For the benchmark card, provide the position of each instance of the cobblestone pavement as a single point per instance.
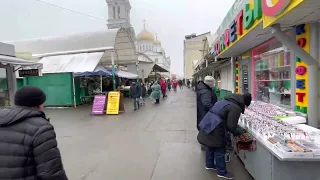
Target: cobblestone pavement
(158, 142)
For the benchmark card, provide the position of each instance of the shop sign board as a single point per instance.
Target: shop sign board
(302, 39)
(98, 105)
(273, 10)
(253, 13)
(29, 72)
(113, 103)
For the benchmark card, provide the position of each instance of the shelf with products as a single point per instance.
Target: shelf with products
(273, 77)
(285, 140)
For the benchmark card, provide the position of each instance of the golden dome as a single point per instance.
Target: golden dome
(145, 35)
(157, 42)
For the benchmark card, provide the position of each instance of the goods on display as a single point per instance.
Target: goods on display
(284, 138)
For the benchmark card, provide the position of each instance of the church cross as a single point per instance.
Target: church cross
(144, 23)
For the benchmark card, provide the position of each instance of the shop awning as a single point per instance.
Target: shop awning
(19, 62)
(99, 71)
(128, 75)
(116, 40)
(158, 68)
(83, 62)
(211, 67)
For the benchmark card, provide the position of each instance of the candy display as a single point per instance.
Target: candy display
(260, 119)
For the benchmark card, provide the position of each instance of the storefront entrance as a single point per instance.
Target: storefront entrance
(245, 76)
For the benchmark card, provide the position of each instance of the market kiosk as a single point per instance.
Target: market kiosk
(274, 50)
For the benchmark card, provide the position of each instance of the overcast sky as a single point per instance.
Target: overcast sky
(170, 19)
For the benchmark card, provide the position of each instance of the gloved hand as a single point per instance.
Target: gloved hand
(239, 131)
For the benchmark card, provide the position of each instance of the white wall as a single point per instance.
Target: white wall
(226, 78)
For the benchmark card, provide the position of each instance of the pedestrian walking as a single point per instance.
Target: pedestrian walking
(28, 145)
(169, 84)
(180, 84)
(188, 83)
(163, 85)
(143, 94)
(156, 92)
(206, 98)
(222, 118)
(135, 93)
(175, 85)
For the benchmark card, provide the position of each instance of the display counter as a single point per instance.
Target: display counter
(280, 154)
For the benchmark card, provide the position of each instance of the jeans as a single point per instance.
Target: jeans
(215, 158)
(136, 103)
(157, 101)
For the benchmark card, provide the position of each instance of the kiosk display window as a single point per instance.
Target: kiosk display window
(272, 74)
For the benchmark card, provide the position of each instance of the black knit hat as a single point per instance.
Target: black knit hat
(29, 96)
(247, 99)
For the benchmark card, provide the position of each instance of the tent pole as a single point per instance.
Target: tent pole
(74, 93)
(113, 72)
(101, 83)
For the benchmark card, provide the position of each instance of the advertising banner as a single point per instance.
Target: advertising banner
(98, 105)
(113, 102)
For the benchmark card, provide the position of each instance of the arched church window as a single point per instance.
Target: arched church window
(114, 12)
(119, 11)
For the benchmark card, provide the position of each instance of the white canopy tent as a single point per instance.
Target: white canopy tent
(115, 43)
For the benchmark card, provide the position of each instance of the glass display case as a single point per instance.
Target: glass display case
(272, 77)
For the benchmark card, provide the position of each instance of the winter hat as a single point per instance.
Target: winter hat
(209, 80)
(29, 96)
(247, 99)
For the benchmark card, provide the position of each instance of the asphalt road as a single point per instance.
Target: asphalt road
(158, 142)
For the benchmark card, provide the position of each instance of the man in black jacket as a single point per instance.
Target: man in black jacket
(135, 93)
(28, 145)
(222, 117)
(206, 98)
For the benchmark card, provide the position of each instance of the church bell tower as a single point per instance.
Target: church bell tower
(119, 15)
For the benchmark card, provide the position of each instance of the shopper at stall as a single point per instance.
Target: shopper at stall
(28, 145)
(135, 93)
(156, 92)
(222, 117)
(206, 98)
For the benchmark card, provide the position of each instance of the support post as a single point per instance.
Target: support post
(291, 44)
(12, 83)
(113, 71)
(313, 81)
(232, 75)
(312, 68)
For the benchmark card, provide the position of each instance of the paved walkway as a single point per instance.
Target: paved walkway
(158, 142)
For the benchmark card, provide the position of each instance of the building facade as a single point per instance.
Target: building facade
(146, 42)
(192, 51)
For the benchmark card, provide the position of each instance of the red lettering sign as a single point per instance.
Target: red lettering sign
(218, 47)
(301, 70)
(300, 96)
(302, 42)
(270, 9)
(226, 38)
(239, 19)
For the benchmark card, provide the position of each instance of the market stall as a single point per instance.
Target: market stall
(283, 150)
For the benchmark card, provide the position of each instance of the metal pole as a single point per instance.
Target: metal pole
(74, 93)
(101, 83)
(113, 72)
